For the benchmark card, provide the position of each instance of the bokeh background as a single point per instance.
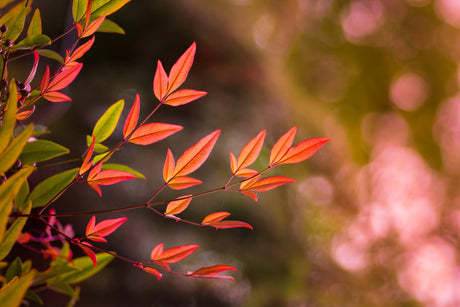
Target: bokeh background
(374, 217)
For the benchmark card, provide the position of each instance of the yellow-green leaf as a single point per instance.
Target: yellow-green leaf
(123, 168)
(9, 119)
(109, 26)
(79, 9)
(12, 293)
(12, 234)
(41, 150)
(50, 187)
(12, 152)
(108, 121)
(35, 26)
(50, 54)
(107, 7)
(32, 41)
(16, 24)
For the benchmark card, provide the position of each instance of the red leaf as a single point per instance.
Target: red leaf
(80, 51)
(100, 230)
(196, 155)
(303, 150)
(215, 217)
(95, 187)
(56, 97)
(179, 205)
(132, 118)
(181, 97)
(89, 252)
(93, 27)
(160, 82)
(153, 132)
(251, 151)
(266, 184)
(213, 270)
(282, 146)
(33, 71)
(109, 177)
(168, 168)
(183, 182)
(230, 224)
(64, 78)
(45, 79)
(175, 254)
(25, 114)
(180, 69)
(156, 251)
(152, 271)
(86, 165)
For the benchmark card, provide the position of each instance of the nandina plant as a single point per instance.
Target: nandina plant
(23, 151)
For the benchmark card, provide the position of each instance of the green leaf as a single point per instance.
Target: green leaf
(63, 288)
(12, 234)
(109, 26)
(79, 9)
(50, 187)
(12, 293)
(35, 26)
(21, 197)
(9, 119)
(32, 296)
(16, 24)
(107, 7)
(12, 152)
(8, 191)
(32, 41)
(50, 54)
(123, 168)
(41, 150)
(97, 147)
(108, 121)
(85, 269)
(14, 269)
(4, 3)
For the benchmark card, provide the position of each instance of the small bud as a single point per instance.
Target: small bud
(8, 43)
(24, 93)
(3, 28)
(20, 85)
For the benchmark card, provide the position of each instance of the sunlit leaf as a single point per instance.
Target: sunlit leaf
(181, 68)
(86, 165)
(246, 172)
(106, 7)
(32, 41)
(151, 133)
(9, 119)
(268, 183)
(210, 272)
(168, 168)
(64, 78)
(93, 27)
(160, 82)
(251, 151)
(108, 121)
(45, 80)
(174, 254)
(11, 154)
(109, 177)
(97, 232)
(56, 97)
(50, 54)
(12, 293)
(303, 150)
(156, 251)
(108, 26)
(123, 168)
(16, 23)
(33, 71)
(182, 97)
(85, 246)
(229, 224)
(132, 118)
(215, 217)
(183, 182)
(282, 146)
(152, 271)
(179, 205)
(80, 51)
(196, 155)
(25, 114)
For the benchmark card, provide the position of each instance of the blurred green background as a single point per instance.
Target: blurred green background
(374, 215)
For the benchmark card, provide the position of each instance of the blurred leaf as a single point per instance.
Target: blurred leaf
(106, 7)
(35, 26)
(12, 293)
(181, 68)
(123, 168)
(12, 152)
(9, 119)
(15, 21)
(132, 118)
(109, 26)
(13, 232)
(179, 205)
(41, 150)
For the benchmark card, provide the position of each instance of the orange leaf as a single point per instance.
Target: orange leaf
(180, 69)
(80, 51)
(64, 78)
(89, 252)
(95, 187)
(214, 217)
(282, 146)
(250, 194)
(153, 132)
(251, 151)
(131, 119)
(248, 182)
(181, 97)
(168, 168)
(303, 150)
(233, 163)
(25, 114)
(160, 82)
(85, 166)
(56, 97)
(268, 183)
(179, 205)
(182, 182)
(89, 7)
(93, 27)
(210, 272)
(196, 155)
(175, 254)
(100, 230)
(45, 80)
(246, 172)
